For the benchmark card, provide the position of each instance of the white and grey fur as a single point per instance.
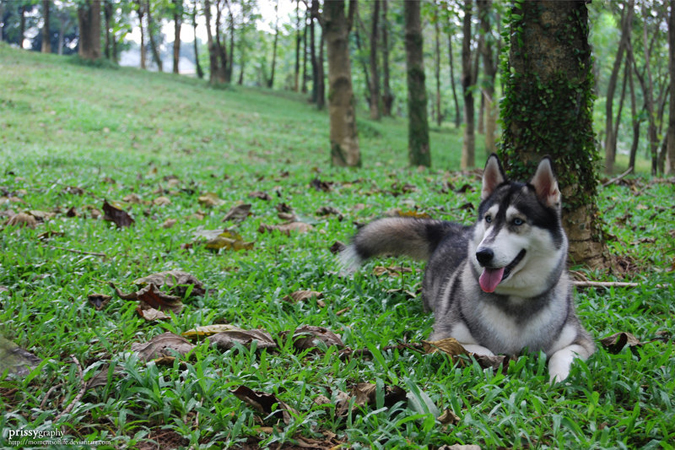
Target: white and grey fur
(518, 230)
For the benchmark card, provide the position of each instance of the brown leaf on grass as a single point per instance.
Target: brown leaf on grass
(448, 417)
(238, 213)
(16, 360)
(448, 345)
(133, 198)
(616, 342)
(50, 234)
(228, 339)
(286, 228)
(22, 220)
(302, 295)
(308, 337)
(328, 211)
(411, 214)
(208, 330)
(392, 271)
(177, 281)
(465, 188)
(117, 216)
(153, 297)
(264, 404)
(284, 208)
(161, 201)
(72, 212)
(365, 394)
(210, 200)
(228, 240)
(260, 195)
(318, 185)
(168, 223)
(149, 313)
(166, 344)
(98, 301)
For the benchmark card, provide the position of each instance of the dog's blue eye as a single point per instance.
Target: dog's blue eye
(488, 219)
(518, 222)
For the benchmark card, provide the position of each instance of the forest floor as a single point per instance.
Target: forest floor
(110, 175)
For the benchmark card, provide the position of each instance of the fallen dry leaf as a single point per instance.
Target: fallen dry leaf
(411, 214)
(161, 201)
(166, 344)
(302, 295)
(264, 403)
(307, 337)
(22, 220)
(98, 301)
(449, 345)
(337, 247)
(392, 271)
(153, 297)
(210, 200)
(117, 216)
(228, 339)
(149, 313)
(177, 281)
(238, 213)
(168, 223)
(365, 394)
(133, 198)
(616, 342)
(286, 228)
(260, 195)
(228, 240)
(207, 330)
(448, 417)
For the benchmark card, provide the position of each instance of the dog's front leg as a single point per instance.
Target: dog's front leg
(561, 361)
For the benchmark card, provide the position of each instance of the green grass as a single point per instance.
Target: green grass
(119, 132)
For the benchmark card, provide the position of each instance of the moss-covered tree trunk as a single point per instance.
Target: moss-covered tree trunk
(89, 22)
(548, 108)
(418, 125)
(46, 37)
(341, 109)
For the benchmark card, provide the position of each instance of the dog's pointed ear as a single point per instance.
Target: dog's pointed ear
(546, 185)
(493, 176)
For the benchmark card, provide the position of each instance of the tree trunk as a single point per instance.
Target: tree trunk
(177, 22)
(548, 109)
(151, 35)
(388, 96)
(200, 71)
(419, 152)
(344, 141)
(314, 12)
(89, 21)
(374, 70)
(230, 63)
(648, 90)
(22, 25)
(141, 13)
(458, 115)
(469, 141)
(490, 67)
(46, 37)
(611, 138)
(670, 152)
(437, 53)
(304, 53)
(2, 23)
(633, 109)
(270, 83)
(298, 40)
(361, 59)
(107, 15)
(321, 75)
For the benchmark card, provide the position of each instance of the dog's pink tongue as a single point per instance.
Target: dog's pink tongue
(490, 278)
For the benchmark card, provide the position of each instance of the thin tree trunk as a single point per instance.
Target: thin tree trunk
(107, 14)
(304, 53)
(458, 116)
(178, 22)
(321, 74)
(153, 43)
(611, 138)
(490, 67)
(200, 71)
(344, 140)
(298, 39)
(2, 23)
(648, 89)
(388, 96)
(635, 120)
(314, 12)
(419, 152)
(622, 98)
(141, 13)
(670, 152)
(270, 83)
(46, 37)
(362, 61)
(374, 70)
(22, 25)
(437, 53)
(230, 64)
(469, 142)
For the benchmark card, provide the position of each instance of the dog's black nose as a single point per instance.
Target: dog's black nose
(484, 256)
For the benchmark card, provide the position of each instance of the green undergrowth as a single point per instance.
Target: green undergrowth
(72, 136)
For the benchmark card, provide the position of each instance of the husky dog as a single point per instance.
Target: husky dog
(501, 285)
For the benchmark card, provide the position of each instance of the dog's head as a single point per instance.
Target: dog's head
(518, 243)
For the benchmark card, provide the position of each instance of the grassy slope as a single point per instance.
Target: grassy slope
(118, 132)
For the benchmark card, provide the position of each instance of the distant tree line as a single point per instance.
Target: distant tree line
(435, 62)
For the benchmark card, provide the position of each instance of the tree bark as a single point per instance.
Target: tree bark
(321, 74)
(89, 21)
(108, 15)
(141, 14)
(388, 96)
(361, 59)
(304, 53)
(298, 40)
(458, 116)
(374, 70)
(469, 141)
(419, 152)
(46, 37)
(22, 25)
(151, 35)
(178, 22)
(670, 152)
(270, 82)
(629, 69)
(313, 17)
(200, 71)
(437, 67)
(342, 112)
(610, 135)
(648, 89)
(548, 109)
(490, 67)
(230, 62)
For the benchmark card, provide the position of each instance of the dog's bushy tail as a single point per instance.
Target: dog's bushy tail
(396, 236)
